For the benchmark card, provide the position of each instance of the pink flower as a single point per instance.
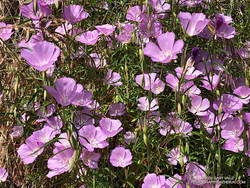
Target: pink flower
(160, 5)
(90, 159)
(5, 31)
(64, 29)
(74, 13)
(189, 73)
(244, 94)
(193, 23)
(17, 131)
(65, 90)
(34, 145)
(84, 117)
(48, 2)
(232, 128)
(166, 50)
(32, 41)
(199, 106)
(145, 105)
(150, 82)
(117, 109)
(210, 82)
(126, 33)
(229, 103)
(106, 29)
(63, 157)
(28, 11)
(110, 127)
(134, 13)
(175, 156)
(120, 157)
(234, 145)
(196, 174)
(112, 78)
(89, 37)
(150, 26)
(92, 137)
(175, 182)
(172, 81)
(152, 180)
(3, 174)
(42, 55)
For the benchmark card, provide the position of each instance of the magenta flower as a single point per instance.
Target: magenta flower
(17, 131)
(92, 137)
(117, 109)
(145, 105)
(175, 156)
(193, 23)
(120, 157)
(90, 159)
(196, 174)
(5, 31)
(112, 78)
(34, 145)
(244, 94)
(134, 13)
(74, 13)
(234, 145)
(42, 56)
(152, 180)
(106, 29)
(63, 158)
(28, 11)
(110, 127)
(89, 37)
(3, 175)
(232, 128)
(199, 106)
(167, 50)
(64, 92)
(150, 82)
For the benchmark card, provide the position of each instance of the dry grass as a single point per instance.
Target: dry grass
(9, 86)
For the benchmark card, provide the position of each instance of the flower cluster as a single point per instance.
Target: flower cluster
(183, 92)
